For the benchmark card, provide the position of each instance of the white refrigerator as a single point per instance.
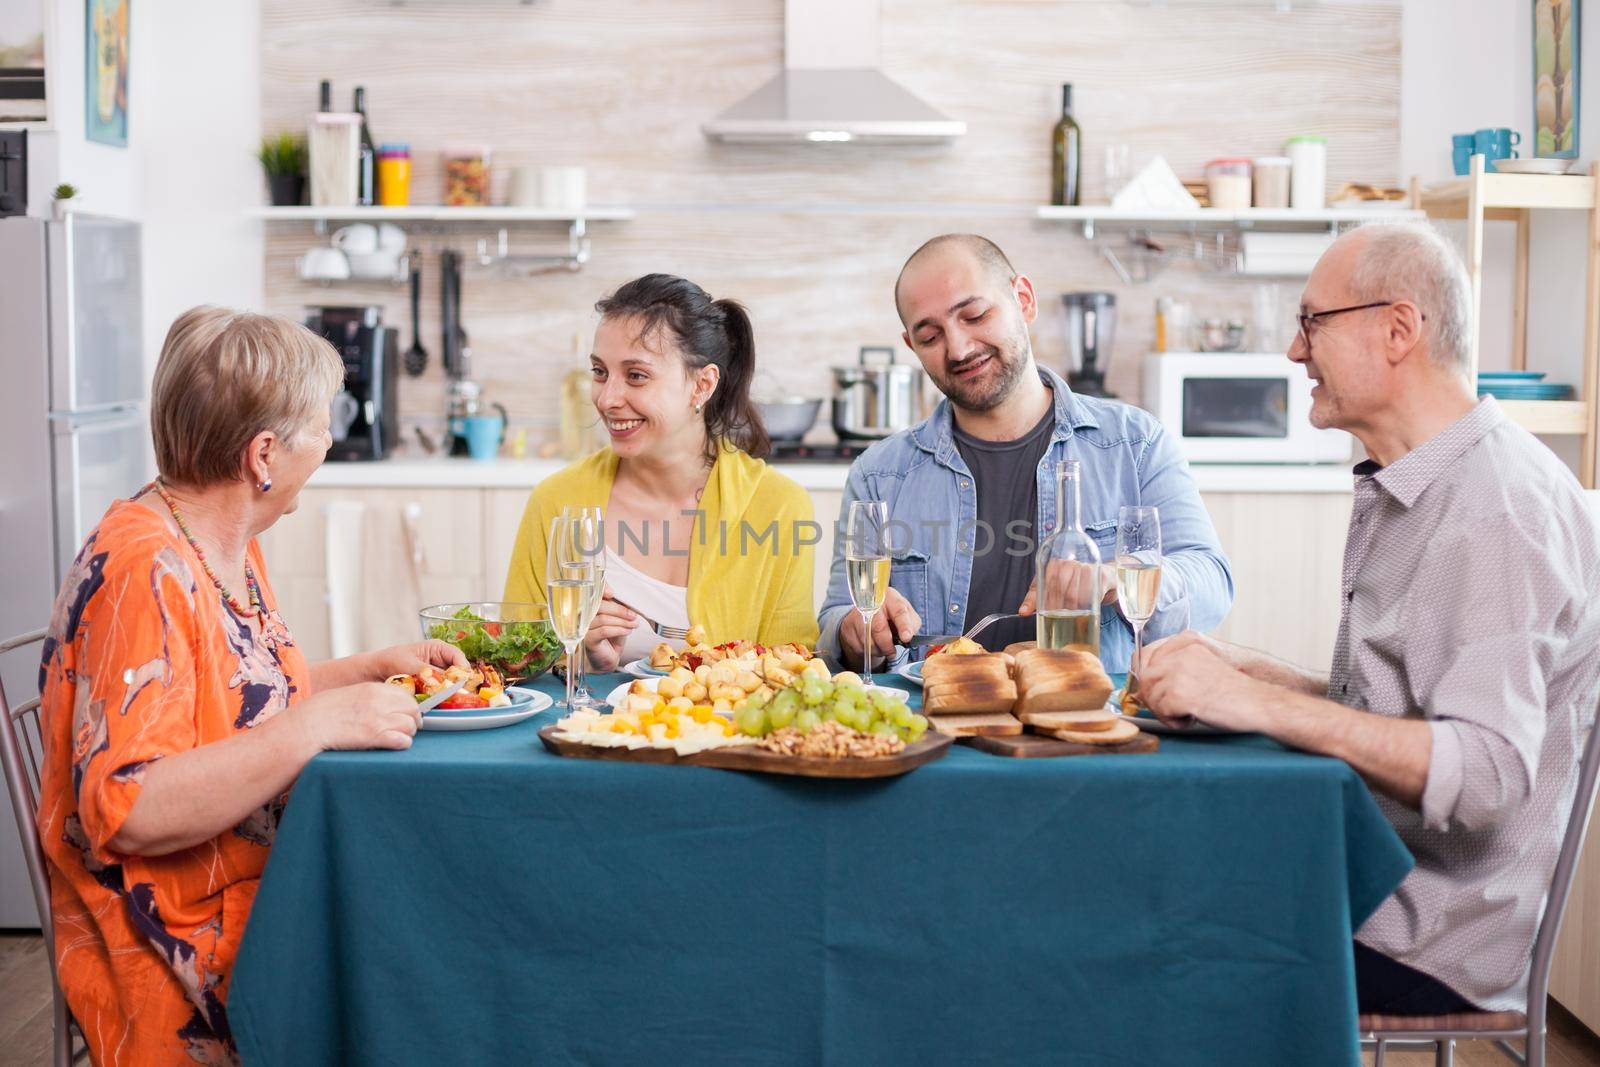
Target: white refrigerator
(74, 433)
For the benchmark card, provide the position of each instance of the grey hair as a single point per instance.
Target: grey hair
(1413, 261)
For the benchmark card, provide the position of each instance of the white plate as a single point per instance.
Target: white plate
(614, 698)
(1152, 725)
(492, 718)
(912, 672)
(640, 669)
(1533, 166)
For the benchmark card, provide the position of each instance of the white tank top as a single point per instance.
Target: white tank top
(666, 604)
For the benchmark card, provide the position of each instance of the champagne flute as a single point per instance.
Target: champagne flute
(1138, 571)
(569, 584)
(866, 567)
(591, 540)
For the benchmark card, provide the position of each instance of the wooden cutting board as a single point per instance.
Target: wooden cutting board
(933, 746)
(1033, 746)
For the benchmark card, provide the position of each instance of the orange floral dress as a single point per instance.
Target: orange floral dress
(143, 659)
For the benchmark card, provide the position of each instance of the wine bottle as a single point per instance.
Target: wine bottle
(1067, 573)
(1067, 142)
(367, 172)
(325, 96)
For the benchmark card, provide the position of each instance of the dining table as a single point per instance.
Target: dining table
(476, 898)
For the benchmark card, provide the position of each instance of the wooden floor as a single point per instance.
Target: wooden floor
(25, 1020)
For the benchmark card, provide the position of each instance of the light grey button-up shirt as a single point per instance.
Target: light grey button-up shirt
(1471, 576)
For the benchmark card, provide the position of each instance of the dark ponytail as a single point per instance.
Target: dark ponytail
(706, 332)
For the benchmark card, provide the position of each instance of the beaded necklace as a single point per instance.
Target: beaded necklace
(228, 598)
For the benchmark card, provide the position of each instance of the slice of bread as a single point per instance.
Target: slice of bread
(1120, 732)
(1091, 720)
(984, 695)
(1020, 646)
(1060, 680)
(964, 668)
(994, 724)
(1049, 697)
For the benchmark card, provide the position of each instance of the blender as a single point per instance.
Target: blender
(1091, 331)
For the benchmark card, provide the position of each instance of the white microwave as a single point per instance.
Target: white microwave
(1235, 407)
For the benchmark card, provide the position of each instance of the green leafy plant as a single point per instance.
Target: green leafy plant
(283, 155)
(64, 191)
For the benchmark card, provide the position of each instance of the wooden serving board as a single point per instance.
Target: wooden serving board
(1033, 746)
(750, 758)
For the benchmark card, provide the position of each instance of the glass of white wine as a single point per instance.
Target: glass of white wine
(1138, 570)
(866, 567)
(570, 589)
(592, 570)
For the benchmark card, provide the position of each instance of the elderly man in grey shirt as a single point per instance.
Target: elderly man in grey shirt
(1465, 674)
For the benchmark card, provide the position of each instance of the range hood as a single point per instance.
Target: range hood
(831, 89)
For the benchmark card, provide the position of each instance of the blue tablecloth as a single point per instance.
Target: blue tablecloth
(476, 899)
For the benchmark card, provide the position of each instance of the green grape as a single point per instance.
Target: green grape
(780, 713)
(882, 699)
(787, 699)
(811, 693)
(883, 728)
(900, 715)
(751, 720)
(807, 721)
(759, 698)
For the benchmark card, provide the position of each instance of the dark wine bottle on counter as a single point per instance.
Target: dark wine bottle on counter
(1067, 142)
(325, 96)
(367, 171)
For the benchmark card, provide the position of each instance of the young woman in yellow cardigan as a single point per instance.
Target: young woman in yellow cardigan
(699, 530)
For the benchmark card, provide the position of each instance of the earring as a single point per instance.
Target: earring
(266, 486)
(699, 407)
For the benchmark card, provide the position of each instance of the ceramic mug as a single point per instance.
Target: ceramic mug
(1494, 143)
(524, 187)
(562, 188)
(483, 434)
(359, 239)
(323, 264)
(1461, 148)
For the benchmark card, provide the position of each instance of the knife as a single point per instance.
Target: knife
(441, 696)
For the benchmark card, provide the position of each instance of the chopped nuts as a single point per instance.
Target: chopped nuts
(831, 740)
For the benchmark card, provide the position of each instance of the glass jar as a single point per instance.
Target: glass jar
(1271, 175)
(1308, 178)
(1067, 573)
(1228, 183)
(394, 175)
(466, 177)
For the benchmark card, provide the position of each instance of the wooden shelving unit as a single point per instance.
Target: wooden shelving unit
(1482, 196)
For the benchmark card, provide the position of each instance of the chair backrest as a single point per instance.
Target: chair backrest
(1544, 945)
(21, 753)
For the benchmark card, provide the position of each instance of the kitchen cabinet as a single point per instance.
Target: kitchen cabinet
(1287, 553)
(407, 548)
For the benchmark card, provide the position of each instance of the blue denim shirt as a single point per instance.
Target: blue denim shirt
(1126, 459)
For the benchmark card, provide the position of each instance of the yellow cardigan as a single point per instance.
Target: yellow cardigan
(760, 593)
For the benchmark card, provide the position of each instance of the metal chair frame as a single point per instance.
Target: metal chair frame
(21, 752)
(1532, 1032)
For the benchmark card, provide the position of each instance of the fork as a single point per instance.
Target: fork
(670, 633)
(941, 639)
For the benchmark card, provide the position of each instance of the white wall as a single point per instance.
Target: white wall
(188, 173)
(1461, 70)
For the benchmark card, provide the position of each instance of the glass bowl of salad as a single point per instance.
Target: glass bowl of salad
(515, 639)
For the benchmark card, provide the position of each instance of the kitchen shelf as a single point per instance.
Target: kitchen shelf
(441, 214)
(1482, 196)
(1509, 193)
(1549, 417)
(1247, 218)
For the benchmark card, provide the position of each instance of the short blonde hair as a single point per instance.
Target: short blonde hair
(225, 376)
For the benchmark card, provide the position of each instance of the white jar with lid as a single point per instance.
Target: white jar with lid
(1308, 176)
(1271, 177)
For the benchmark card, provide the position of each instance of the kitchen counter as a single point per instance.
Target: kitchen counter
(446, 473)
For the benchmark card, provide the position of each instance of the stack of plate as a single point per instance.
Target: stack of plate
(1520, 385)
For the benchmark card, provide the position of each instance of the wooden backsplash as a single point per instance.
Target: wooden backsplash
(811, 238)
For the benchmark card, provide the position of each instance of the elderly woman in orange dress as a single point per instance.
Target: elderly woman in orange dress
(177, 710)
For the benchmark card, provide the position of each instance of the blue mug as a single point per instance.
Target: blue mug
(484, 434)
(1496, 143)
(1461, 145)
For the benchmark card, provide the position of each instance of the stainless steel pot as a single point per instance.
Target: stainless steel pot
(875, 399)
(790, 418)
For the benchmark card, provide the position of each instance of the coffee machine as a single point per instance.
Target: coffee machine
(365, 420)
(1091, 331)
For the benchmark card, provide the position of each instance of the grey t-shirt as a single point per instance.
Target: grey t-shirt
(1006, 476)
